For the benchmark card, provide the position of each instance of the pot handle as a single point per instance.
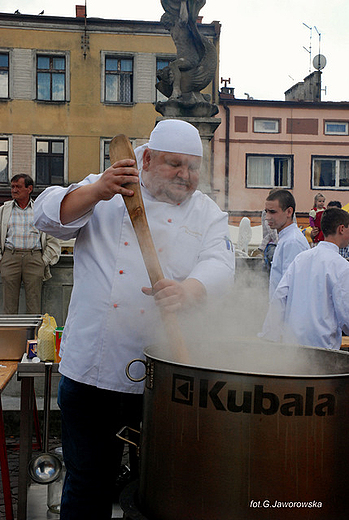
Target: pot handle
(139, 380)
(121, 433)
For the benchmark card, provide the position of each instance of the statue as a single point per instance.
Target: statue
(195, 66)
(244, 237)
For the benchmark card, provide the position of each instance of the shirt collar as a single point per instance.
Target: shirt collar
(328, 245)
(29, 205)
(287, 229)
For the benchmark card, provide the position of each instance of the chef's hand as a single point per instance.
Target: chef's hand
(113, 179)
(80, 201)
(172, 296)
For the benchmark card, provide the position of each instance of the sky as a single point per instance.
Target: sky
(266, 46)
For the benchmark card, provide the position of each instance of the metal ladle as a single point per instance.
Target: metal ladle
(46, 467)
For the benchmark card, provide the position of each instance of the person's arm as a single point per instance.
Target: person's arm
(51, 251)
(80, 201)
(273, 326)
(290, 251)
(340, 301)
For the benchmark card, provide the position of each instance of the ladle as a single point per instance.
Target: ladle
(46, 467)
(121, 148)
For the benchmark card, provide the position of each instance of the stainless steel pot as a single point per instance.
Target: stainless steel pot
(261, 432)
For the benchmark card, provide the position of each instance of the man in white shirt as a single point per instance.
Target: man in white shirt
(311, 303)
(280, 207)
(113, 312)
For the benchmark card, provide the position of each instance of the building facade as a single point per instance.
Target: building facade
(299, 145)
(68, 85)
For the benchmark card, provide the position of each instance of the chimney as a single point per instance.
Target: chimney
(80, 11)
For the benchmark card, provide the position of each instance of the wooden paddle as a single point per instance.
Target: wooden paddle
(121, 148)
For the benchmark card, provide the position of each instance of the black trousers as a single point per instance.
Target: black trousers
(92, 453)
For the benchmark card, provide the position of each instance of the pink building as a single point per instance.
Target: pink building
(299, 145)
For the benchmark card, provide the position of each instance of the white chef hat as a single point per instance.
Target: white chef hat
(176, 136)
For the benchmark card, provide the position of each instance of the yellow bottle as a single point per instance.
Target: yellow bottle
(46, 340)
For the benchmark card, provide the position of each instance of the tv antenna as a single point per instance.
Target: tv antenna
(310, 38)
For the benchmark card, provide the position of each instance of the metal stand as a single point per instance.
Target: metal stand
(26, 373)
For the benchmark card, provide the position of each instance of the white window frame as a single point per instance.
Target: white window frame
(271, 184)
(51, 138)
(333, 132)
(66, 55)
(337, 161)
(260, 126)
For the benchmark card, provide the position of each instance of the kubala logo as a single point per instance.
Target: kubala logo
(256, 401)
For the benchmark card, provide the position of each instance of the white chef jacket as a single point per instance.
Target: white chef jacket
(110, 320)
(311, 303)
(291, 242)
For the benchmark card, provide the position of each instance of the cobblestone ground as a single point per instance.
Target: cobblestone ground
(12, 444)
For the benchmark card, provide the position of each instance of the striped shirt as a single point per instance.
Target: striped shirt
(21, 232)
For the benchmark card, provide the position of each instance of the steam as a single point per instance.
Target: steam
(222, 335)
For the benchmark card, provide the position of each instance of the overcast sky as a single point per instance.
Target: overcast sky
(262, 42)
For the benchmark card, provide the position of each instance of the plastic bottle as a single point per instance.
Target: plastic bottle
(46, 340)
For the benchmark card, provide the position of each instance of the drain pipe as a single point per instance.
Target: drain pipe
(227, 156)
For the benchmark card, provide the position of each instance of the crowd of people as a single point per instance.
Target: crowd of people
(310, 305)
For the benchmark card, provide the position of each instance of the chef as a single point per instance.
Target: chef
(113, 313)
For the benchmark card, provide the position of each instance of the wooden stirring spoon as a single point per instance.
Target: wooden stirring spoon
(121, 148)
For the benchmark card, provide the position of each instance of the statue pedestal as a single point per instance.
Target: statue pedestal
(206, 127)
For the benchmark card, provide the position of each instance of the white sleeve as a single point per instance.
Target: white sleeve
(216, 261)
(274, 323)
(341, 301)
(47, 211)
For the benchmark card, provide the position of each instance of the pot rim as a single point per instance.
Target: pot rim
(162, 358)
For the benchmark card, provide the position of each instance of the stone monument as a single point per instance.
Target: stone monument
(184, 78)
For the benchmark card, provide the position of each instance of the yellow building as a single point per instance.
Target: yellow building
(68, 85)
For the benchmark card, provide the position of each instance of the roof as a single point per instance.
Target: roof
(29, 21)
(228, 99)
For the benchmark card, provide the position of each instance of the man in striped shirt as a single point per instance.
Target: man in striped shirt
(25, 252)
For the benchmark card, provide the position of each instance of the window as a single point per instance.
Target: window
(330, 172)
(104, 150)
(4, 75)
(336, 128)
(50, 161)
(51, 78)
(266, 171)
(106, 160)
(4, 160)
(161, 63)
(266, 126)
(118, 80)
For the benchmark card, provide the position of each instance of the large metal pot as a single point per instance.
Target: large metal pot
(261, 432)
